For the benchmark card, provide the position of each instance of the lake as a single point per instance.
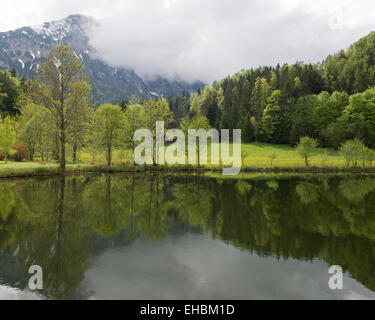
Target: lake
(147, 236)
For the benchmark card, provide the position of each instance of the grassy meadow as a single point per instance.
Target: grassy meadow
(259, 155)
(253, 155)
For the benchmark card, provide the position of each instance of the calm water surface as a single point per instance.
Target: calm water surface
(188, 237)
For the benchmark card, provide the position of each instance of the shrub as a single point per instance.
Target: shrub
(352, 151)
(20, 151)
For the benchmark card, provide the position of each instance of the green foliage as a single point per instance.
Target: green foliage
(352, 71)
(7, 136)
(328, 108)
(352, 151)
(153, 111)
(133, 122)
(64, 93)
(306, 147)
(259, 99)
(10, 94)
(108, 124)
(272, 122)
(359, 117)
(333, 135)
(35, 131)
(79, 128)
(179, 106)
(197, 122)
(302, 119)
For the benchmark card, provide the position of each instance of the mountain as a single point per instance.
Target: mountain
(23, 49)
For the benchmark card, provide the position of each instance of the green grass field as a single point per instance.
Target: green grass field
(258, 155)
(254, 155)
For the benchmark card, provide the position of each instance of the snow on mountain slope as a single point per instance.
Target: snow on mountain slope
(24, 48)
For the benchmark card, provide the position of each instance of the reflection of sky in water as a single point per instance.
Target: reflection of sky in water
(7, 293)
(192, 266)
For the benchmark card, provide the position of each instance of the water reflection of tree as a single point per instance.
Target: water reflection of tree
(301, 218)
(7, 217)
(53, 222)
(52, 232)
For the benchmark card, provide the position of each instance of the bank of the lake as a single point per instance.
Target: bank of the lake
(256, 157)
(51, 171)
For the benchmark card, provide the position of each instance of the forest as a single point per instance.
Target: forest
(332, 103)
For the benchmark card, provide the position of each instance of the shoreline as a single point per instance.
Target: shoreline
(54, 172)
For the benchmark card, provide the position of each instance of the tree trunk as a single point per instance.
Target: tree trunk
(74, 153)
(30, 154)
(108, 198)
(133, 156)
(62, 154)
(199, 155)
(62, 160)
(56, 152)
(6, 157)
(154, 153)
(62, 138)
(307, 162)
(60, 229)
(109, 155)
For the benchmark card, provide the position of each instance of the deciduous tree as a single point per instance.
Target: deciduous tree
(306, 148)
(7, 136)
(61, 84)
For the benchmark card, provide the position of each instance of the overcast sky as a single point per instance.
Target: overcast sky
(206, 40)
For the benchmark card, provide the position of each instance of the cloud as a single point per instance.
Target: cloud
(207, 40)
(8, 293)
(194, 266)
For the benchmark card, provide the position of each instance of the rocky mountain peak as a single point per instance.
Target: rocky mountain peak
(23, 49)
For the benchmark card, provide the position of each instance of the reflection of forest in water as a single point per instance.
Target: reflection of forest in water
(57, 223)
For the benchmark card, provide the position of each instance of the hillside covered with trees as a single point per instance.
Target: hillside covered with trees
(332, 101)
